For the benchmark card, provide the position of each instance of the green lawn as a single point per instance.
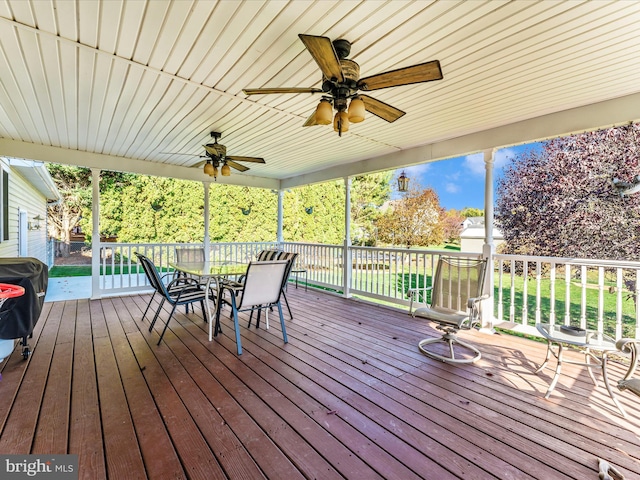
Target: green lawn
(85, 270)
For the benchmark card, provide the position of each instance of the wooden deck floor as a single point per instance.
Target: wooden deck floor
(349, 396)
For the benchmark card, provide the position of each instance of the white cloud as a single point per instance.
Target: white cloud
(451, 187)
(503, 157)
(475, 164)
(417, 170)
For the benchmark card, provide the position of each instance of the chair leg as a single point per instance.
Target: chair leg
(204, 312)
(216, 328)
(167, 324)
(155, 317)
(236, 325)
(148, 305)
(259, 315)
(282, 325)
(287, 302)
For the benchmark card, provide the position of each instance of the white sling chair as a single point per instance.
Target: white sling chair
(261, 289)
(456, 293)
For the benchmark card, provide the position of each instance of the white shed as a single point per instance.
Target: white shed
(472, 235)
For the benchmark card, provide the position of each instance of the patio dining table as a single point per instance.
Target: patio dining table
(210, 273)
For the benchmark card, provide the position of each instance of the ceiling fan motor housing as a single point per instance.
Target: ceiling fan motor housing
(342, 47)
(220, 149)
(345, 89)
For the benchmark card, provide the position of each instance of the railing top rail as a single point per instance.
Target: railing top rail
(592, 262)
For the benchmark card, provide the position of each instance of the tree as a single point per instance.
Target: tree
(368, 194)
(452, 225)
(467, 212)
(74, 185)
(562, 202)
(414, 219)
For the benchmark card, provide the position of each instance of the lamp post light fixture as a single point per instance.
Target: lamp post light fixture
(403, 182)
(35, 224)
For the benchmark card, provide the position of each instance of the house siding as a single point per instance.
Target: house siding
(24, 197)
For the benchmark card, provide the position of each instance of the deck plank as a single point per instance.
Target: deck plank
(195, 455)
(52, 432)
(159, 455)
(19, 429)
(350, 396)
(85, 433)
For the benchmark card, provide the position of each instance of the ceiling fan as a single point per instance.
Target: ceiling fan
(216, 157)
(341, 82)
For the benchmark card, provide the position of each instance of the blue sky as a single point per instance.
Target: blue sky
(459, 182)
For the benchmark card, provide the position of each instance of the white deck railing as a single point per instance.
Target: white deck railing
(588, 293)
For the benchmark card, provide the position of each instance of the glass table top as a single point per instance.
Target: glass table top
(578, 337)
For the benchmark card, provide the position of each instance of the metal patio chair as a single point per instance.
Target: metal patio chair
(261, 289)
(456, 293)
(180, 291)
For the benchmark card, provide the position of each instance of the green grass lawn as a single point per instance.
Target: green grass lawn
(85, 270)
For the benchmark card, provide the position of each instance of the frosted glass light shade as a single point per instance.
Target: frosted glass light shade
(225, 170)
(208, 169)
(324, 112)
(356, 110)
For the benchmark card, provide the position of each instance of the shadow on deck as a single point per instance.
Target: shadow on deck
(349, 396)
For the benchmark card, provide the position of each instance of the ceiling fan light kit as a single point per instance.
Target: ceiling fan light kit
(356, 110)
(324, 112)
(341, 82)
(341, 122)
(216, 156)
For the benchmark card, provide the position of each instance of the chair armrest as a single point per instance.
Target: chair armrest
(472, 301)
(188, 282)
(412, 295)
(627, 345)
(412, 292)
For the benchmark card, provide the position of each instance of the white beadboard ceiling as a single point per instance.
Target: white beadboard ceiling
(115, 84)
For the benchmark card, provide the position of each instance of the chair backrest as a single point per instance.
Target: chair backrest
(290, 257)
(268, 255)
(455, 281)
(152, 274)
(189, 255)
(263, 283)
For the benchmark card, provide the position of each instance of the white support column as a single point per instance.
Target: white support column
(488, 249)
(95, 233)
(279, 234)
(346, 253)
(207, 240)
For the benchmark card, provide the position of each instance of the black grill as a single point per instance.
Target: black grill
(19, 315)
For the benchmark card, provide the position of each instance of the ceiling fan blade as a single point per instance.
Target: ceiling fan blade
(424, 72)
(381, 109)
(311, 121)
(237, 166)
(266, 91)
(199, 164)
(322, 51)
(235, 158)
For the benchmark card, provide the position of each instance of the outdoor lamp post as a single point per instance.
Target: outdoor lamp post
(403, 182)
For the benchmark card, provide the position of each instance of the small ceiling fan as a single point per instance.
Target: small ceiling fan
(341, 82)
(216, 157)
